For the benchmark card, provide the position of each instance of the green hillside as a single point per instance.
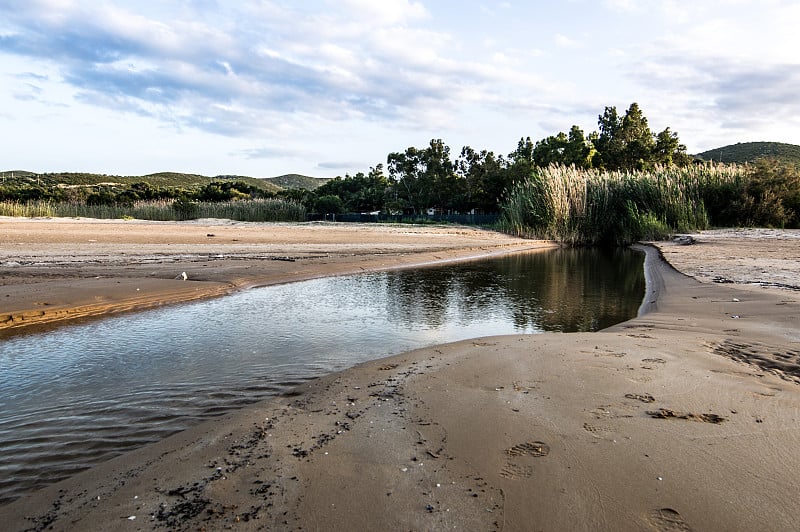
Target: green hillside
(293, 181)
(160, 179)
(747, 152)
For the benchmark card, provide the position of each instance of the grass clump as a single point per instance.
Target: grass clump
(590, 207)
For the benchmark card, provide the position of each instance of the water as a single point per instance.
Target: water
(79, 394)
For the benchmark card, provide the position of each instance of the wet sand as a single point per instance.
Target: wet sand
(684, 418)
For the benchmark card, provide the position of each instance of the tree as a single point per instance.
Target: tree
(626, 143)
(407, 171)
(669, 150)
(484, 177)
(377, 190)
(446, 187)
(579, 150)
(520, 161)
(637, 140)
(329, 204)
(302, 196)
(550, 150)
(359, 193)
(226, 191)
(568, 150)
(423, 178)
(609, 141)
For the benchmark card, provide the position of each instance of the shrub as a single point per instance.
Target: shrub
(329, 204)
(185, 209)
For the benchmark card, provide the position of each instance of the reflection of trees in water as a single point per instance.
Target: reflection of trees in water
(419, 296)
(588, 289)
(559, 290)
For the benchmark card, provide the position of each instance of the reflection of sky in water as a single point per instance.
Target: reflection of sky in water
(179, 363)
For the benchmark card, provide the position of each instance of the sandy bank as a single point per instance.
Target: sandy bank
(58, 269)
(685, 418)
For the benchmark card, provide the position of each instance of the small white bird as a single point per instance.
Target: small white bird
(184, 276)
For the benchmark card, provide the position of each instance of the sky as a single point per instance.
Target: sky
(325, 88)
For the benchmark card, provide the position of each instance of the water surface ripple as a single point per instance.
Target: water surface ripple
(78, 394)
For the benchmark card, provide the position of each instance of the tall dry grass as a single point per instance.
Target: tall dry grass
(586, 207)
(257, 210)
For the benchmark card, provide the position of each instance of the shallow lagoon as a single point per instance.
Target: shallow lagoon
(79, 394)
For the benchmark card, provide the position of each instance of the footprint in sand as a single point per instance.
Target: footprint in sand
(516, 472)
(668, 520)
(643, 397)
(650, 363)
(515, 467)
(536, 448)
(596, 431)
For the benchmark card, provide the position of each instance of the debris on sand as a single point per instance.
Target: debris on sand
(664, 413)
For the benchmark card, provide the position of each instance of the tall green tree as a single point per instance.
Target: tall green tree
(485, 177)
(550, 150)
(521, 161)
(637, 140)
(609, 144)
(579, 150)
(568, 150)
(669, 150)
(423, 178)
(406, 170)
(627, 143)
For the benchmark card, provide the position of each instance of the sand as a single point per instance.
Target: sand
(62, 268)
(684, 418)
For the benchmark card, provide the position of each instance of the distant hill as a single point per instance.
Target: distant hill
(160, 179)
(747, 152)
(297, 181)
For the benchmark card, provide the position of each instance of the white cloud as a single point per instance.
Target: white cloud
(323, 81)
(386, 12)
(566, 42)
(622, 5)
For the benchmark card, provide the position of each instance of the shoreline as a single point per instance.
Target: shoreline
(67, 275)
(682, 418)
(92, 298)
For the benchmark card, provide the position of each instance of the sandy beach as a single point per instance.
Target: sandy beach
(57, 269)
(684, 418)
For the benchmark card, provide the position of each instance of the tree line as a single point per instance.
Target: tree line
(471, 181)
(117, 194)
(475, 181)
(417, 179)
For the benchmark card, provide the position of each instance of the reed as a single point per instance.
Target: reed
(32, 209)
(256, 210)
(587, 207)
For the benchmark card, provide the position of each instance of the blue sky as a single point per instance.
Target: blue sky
(324, 87)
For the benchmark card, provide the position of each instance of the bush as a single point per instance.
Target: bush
(185, 209)
(329, 204)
